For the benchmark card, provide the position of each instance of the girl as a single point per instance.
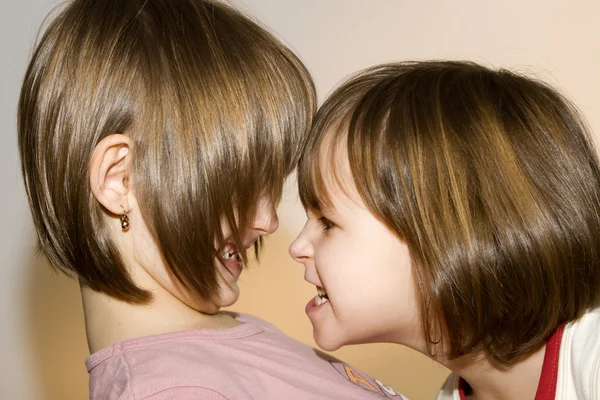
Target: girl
(455, 209)
(155, 136)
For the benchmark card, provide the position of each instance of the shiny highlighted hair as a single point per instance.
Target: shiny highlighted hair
(491, 180)
(217, 110)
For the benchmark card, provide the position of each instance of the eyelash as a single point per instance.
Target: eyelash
(326, 224)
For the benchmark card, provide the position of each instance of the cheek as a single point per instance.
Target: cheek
(369, 279)
(345, 267)
(338, 263)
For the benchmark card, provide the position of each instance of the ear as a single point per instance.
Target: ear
(110, 173)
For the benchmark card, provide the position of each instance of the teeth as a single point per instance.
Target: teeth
(322, 297)
(231, 255)
(320, 300)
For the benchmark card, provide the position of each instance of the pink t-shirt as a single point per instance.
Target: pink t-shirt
(251, 361)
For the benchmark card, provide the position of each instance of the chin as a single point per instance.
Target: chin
(227, 303)
(229, 296)
(327, 342)
(203, 306)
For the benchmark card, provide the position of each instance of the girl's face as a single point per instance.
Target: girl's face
(363, 269)
(264, 223)
(148, 255)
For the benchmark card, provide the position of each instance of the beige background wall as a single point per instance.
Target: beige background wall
(42, 342)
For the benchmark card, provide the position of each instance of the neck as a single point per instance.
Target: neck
(108, 320)
(490, 381)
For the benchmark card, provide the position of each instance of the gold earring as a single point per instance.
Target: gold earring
(124, 220)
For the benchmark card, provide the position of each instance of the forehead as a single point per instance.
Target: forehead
(334, 185)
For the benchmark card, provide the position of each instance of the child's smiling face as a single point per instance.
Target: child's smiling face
(363, 268)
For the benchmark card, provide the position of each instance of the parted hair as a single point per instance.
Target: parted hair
(217, 110)
(490, 178)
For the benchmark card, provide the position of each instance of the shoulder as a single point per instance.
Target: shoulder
(173, 393)
(186, 393)
(170, 370)
(581, 351)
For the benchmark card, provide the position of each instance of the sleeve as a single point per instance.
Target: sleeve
(584, 356)
(594, 381)
(187, 393)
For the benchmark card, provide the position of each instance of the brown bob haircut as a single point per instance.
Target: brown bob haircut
(491, 180)
(217, 110)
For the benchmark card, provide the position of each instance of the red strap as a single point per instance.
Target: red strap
(463, 389)
(547, 387)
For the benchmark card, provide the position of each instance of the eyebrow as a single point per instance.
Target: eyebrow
(322, 209)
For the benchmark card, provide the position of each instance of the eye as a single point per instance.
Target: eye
(326, 224)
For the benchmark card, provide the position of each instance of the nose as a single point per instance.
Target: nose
(301, 249)
(266, 220)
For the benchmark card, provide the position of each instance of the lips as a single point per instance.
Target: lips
(317, 302)
(232, 260)
(232, 257)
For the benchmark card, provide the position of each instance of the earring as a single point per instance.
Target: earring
(124, 220)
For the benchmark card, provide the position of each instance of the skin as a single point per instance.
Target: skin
(366, 271)
(173, 308)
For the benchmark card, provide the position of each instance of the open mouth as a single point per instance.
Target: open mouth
(322, 297)
(233, 257)
(232, 260)
(230, 253)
